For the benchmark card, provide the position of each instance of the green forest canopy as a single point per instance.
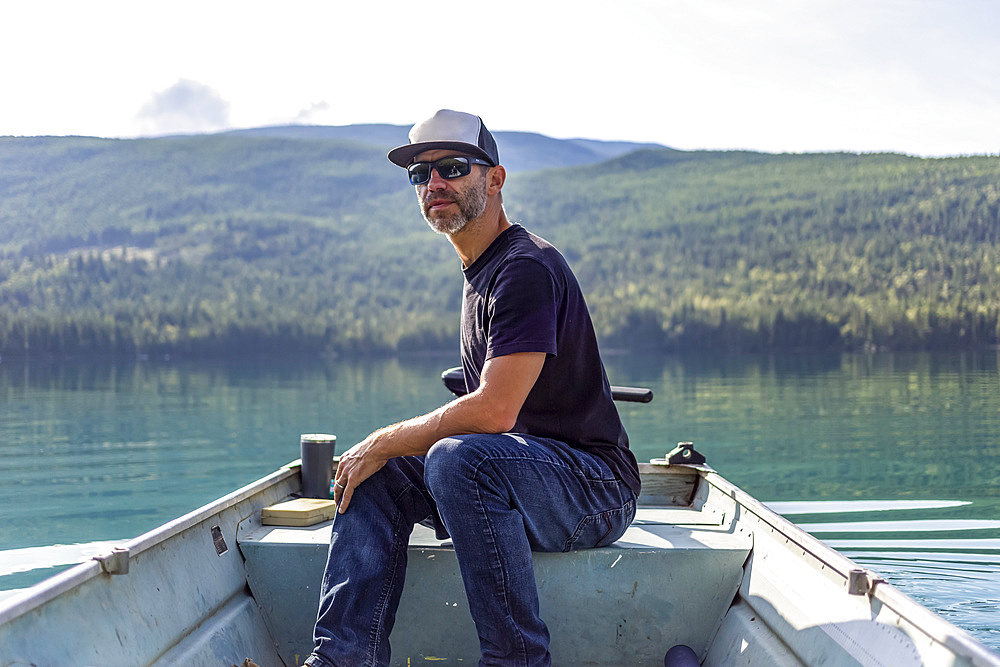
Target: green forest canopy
(248, 244)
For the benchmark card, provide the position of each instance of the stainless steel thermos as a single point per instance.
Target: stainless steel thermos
(317, 464)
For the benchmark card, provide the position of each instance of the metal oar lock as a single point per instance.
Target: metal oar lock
(685, 452)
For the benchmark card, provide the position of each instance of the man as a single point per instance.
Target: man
(533, 457)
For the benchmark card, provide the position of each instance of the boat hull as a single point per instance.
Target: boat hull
(704, 564)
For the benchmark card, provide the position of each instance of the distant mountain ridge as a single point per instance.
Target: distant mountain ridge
(307, 240)
(519, 151)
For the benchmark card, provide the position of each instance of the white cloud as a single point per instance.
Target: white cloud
(317, 113)
(185, 107)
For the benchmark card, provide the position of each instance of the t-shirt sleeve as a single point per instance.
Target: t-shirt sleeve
(522, 310)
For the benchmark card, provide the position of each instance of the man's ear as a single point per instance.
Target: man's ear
(497, 176)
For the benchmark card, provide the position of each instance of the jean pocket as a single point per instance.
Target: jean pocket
(600, 530)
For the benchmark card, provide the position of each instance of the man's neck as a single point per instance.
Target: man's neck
(473, 240)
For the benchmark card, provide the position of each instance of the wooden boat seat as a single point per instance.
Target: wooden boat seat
(668, 580)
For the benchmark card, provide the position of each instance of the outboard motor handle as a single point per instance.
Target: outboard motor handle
(454, 380)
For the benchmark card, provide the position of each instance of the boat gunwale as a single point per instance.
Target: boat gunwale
(51, 588)
(936, 628)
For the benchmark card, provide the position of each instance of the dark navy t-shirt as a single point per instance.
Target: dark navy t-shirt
(521, 296)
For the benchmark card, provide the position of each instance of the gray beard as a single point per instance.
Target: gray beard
(470, 207)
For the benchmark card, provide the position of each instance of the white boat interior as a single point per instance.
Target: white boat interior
(704, 565)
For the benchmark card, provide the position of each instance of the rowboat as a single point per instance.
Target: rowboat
(704, 566)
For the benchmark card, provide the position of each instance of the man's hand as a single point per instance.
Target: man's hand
(356, 465)
(492, 408)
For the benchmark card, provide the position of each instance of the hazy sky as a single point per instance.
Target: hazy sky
(914, 76)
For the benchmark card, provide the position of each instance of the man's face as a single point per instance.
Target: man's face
(449, 205)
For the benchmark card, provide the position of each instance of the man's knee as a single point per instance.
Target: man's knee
(451, 460)
(444, 460)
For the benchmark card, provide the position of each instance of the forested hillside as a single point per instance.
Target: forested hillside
(250, 244)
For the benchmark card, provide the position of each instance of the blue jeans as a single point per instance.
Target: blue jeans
(498, 497)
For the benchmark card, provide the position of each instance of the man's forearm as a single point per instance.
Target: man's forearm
(492, 408)
(413, 437)
(471, 413)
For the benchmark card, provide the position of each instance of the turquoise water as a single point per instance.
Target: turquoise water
(893, 459)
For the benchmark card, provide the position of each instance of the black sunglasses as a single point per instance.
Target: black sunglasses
(447, 167)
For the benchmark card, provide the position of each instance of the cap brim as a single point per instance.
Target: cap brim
(403, 155)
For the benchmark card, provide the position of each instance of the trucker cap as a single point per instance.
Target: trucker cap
(448, 129)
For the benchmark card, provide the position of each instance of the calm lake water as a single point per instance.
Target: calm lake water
(894, 459)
